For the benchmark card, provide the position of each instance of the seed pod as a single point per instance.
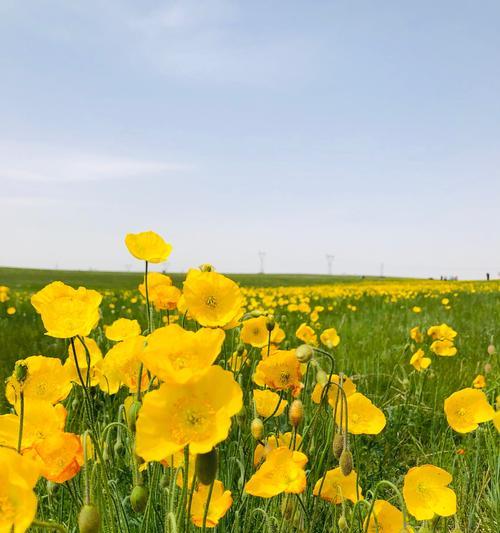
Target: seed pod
(270, 323)
(304, 353)
(139, 498)
(338, 445)
(345, 462)
(206, 466)
(343, 526)
(133, 411)
(89, 520)
(296, 413)
(257, 428)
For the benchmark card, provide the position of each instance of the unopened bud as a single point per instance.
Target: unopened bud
(338, 445)
(241, 416)
(256, 313)
(345, 462)
(206, 267)
(257, 428)
(304, 353)
(21, 372)
(206, 466)
(89, 520)
(343, 523)
(487, 368)
(241, 349)
(296, 413)
(321, 377)
(132, 413)
(139, 498)
(491, 349)
(270, 323)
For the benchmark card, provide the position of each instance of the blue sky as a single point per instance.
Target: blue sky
(368, 130)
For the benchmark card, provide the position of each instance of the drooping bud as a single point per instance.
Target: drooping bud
(257, 428)
(89, 520)
(139, 498)
(133, 411)
(304, 353)
(21, 372)
(296, 413)
(343, 526)
(345, 462)
(206, 466)
(321, 377)
(270, 323)
(338, 445)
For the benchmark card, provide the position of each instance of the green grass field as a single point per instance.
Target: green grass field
(375, 350)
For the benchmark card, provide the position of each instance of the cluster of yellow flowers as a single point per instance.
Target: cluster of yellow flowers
(183, 383)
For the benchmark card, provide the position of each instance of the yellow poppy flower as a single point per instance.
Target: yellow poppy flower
(18, 503)
(4, 294)
(330, 338)
(426, 492)
(282, 471)
(444, 348)
(334, 487)
(46, 380)
(176, 355)
(363, 417)
(148, 246)
(306, 334)
(254, 332)
(272, 442)
(418, 361)
(121, 366)
(162, 294)
(213, 299)
(67, 312)
(281, 371)
(442, 332)
(385, 518)
(220, 501)
(11, 310)
(416, 334)
(416, 309)
(466, 409)
(197, 413)
(122, 329)
(479, 382)
(268, 402)
(496, 420)
(333, 391)
(81, 356)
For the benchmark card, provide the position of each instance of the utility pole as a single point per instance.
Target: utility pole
(329, 260)
(262, 256)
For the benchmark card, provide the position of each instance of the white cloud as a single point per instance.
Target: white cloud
(41, 163)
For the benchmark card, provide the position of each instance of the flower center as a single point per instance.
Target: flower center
(211, 302)
(461, 411)
(284, 377)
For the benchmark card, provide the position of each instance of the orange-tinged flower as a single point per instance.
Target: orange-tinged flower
(176, 355)
(122, 329)
(46, 380)
(330, 338)
(444, 348)
(281, 371)
(466, 409)
(479, 382)
(94, 355)
(254, 332)
(268, 403)
(148, 246)
(363, 417)
(282, 471)
(426, 492)
(18, 503)
(67, 312)
(385, 518)
(416, 334)
(220, 501)
(418, 361)
(442, 332)
(272, 442)
(333, 391)
(121, 366)
(197, 413)
(162, 294)
(334, 487)
(61, 455)
(213, 299)
(306, 334)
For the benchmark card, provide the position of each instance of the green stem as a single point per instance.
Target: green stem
(21, 421)
(207, 506)
(49, 525)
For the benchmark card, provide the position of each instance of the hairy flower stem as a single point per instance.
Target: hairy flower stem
(21, 421)
(86, 393)
(54, 526)
(207, 506)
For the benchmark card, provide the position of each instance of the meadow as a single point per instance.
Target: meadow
(316, 420)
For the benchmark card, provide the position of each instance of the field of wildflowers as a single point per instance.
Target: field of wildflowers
(364, 406)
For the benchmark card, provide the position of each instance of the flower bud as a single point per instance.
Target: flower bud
(296, 413)
(206, 466)
(52, 487)
(338, 445)
(21, 372)
(257, 428)
(487, 368)
(89, 520)
(491, 349)
(343, 523)
(240, 350)
(345, 462)
(206, 267)
(241, 416)
(321, 377)
(255, 313)
(133, 411)
(304, 353)
(139, 498)
(270, 323)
